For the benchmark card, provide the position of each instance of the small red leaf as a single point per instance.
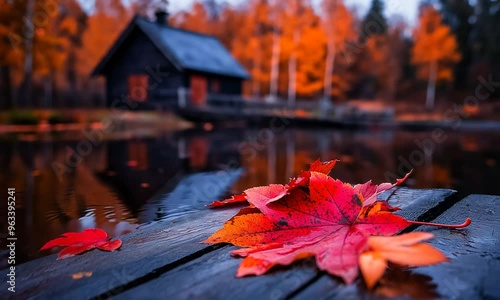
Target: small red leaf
(79, 242)
(233, 199)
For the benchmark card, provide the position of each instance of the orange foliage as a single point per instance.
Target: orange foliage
(434, 42)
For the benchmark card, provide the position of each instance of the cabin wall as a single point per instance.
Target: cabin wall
(139, 56)
(232, 86)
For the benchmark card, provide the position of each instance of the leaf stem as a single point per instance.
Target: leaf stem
(463, 225)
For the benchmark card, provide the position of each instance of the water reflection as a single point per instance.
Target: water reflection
(125, 182)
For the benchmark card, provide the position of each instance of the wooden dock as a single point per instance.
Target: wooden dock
(165, 260)
(259, 111)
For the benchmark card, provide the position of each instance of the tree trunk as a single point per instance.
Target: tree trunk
(431, 86)
(257, 64)
(292, 69)
(256, 81)
(26, 85)
(7, 88)
(71, 73)
(331, 52)
(275, 58)
(49, 85)
(330, 62)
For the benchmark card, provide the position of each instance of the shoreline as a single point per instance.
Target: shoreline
(475, 125)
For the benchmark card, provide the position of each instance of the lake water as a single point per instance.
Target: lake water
(68, 182)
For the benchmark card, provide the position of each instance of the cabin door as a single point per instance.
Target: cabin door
(199, 88)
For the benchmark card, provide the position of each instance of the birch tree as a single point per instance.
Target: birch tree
(338, 23)
(435, 51)
(296, 18)
(276, 16)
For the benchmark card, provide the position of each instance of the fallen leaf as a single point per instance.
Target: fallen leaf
(79, 242)
(232, 200)
(328, 220)
(80, 275)
(404, 250)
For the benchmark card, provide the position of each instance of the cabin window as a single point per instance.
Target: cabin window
(138, 87)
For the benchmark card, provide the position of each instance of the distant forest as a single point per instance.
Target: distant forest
(48, 48)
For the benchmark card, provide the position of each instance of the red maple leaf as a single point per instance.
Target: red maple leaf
(232, 200)
(328, 220)
(79, 242)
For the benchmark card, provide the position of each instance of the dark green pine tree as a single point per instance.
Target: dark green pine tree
(374, 22)
(486, 37)
(457, 14)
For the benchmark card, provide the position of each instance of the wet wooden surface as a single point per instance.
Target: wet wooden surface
(165, 260)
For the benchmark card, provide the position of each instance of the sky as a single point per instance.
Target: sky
(406, 9)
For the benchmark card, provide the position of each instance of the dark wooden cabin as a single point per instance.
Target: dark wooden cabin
(151, 60)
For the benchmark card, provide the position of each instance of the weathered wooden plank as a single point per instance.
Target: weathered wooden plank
(475, 252)
(422, 205)
(472, 273)
(142, 252)
(212, 276)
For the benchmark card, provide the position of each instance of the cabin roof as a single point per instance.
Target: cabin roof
(186, 49)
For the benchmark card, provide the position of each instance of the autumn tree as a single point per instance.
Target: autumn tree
(10, 56)
(231, 22)
(28, 34)
(147, 8)
(276, 16)
(197, 19)
(68, 26)
(338, 24)
(28, 41)
(379, 65)
(104, 26)
(311, 53)
(296, 19)
(435, 51)
(253, 43)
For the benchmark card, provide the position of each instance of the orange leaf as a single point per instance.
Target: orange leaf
(403, 250)
(372, 267)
